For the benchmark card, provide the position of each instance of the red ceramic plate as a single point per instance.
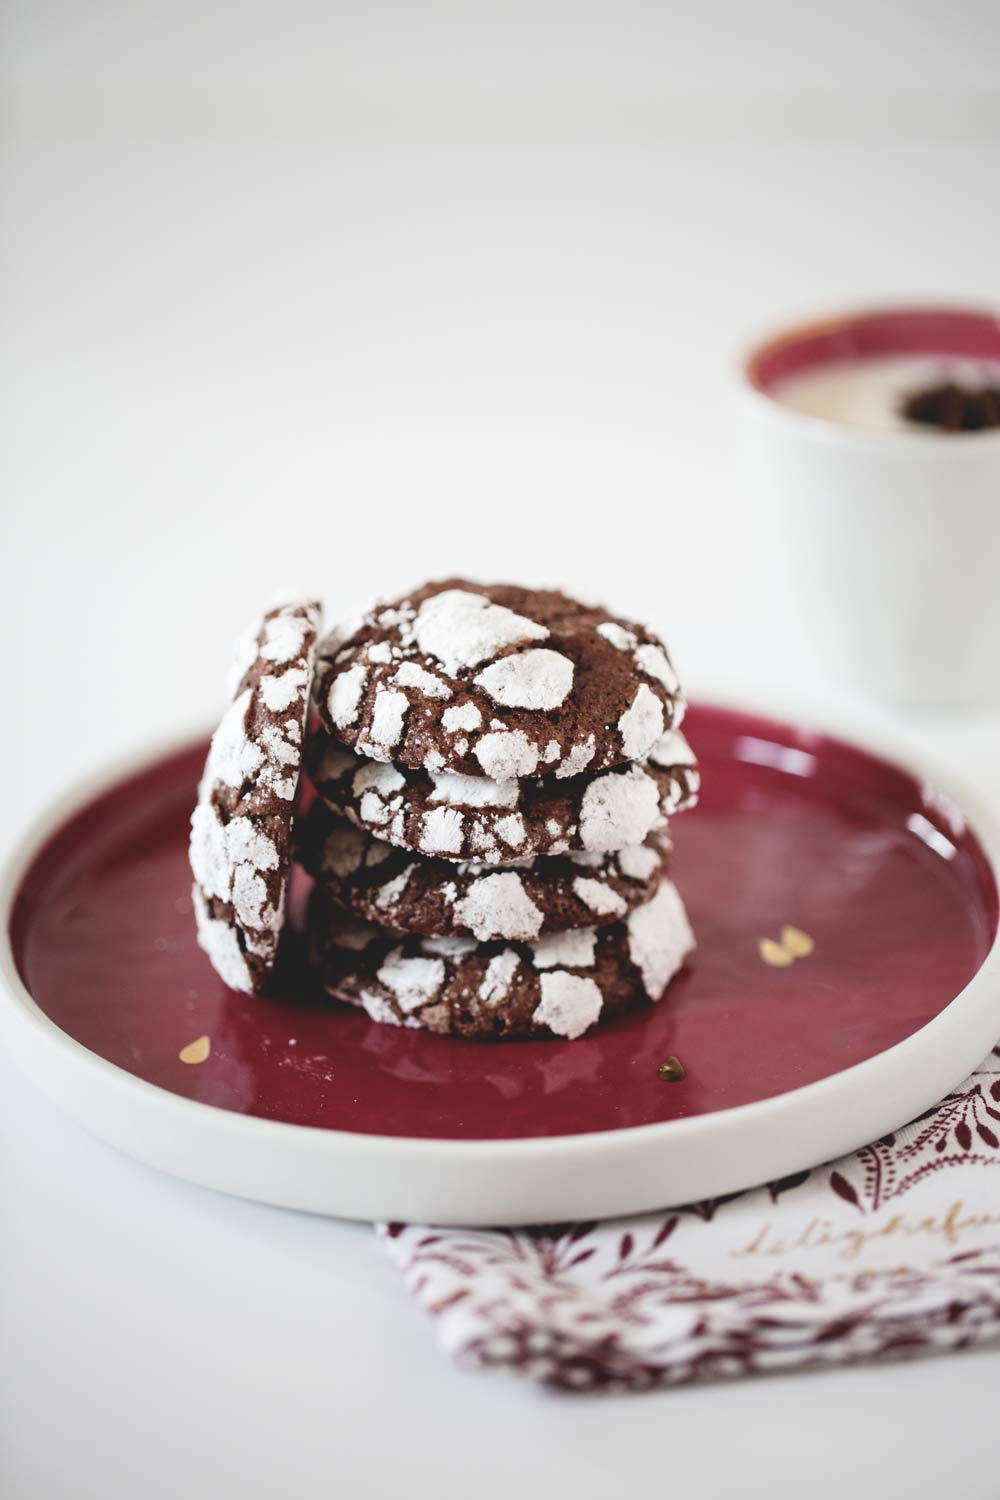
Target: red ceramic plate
(896, 892)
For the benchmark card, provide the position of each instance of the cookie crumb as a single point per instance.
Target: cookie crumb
(672, 1070)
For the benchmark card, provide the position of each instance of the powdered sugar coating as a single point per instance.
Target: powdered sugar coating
(477, 661)
(507, 754)
(282, 693)
(570, 1004)
(500, 971)
(240, 849)
(512, 831)
(380, 778)
(587, 858)
(672, 749)
(602, 900)
(377, 1008)
(653, 661)
(659, 939)
(642, 724)
(228, 859)
(638, 862)
(228, 865)
(621, 638)
(682, 798)
(578, 759)
(387, 723)
(373, 810)
(442, 831)
(388, 895)
(557, 986)
(217, 938)
(461, 716)
(461, 629)
(529, 679)
(284, 636)
(450, 947)
(410, 674)
(234, 756)
(498, 906)
(473, 791)
(573, 949)
(413, 981)
(619, 810)
(344, 700)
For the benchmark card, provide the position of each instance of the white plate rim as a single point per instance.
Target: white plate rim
(598, 1174)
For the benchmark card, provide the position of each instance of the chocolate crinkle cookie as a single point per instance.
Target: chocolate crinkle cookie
(559, 986)
(404, 892)
(241, 829)
(498, 681)
(452, 816)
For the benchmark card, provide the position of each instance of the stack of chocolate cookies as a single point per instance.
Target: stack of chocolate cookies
(495, 768)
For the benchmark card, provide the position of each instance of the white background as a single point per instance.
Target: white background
(341, 297)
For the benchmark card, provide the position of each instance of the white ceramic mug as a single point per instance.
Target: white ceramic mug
(893, 537)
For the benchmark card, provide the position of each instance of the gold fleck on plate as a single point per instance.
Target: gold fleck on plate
(797, 942)
(793, 944)
(196, 1051)
(775, 953)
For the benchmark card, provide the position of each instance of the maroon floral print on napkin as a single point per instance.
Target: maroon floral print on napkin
(893, 1250)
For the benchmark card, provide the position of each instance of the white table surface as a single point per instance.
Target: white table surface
(255, 334)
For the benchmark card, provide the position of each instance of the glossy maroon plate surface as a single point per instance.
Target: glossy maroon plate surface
(792, 829)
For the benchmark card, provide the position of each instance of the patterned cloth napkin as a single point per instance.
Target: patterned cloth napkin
(895, 1249)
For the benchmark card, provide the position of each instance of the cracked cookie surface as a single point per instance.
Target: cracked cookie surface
(560, 985)
(498, 681)
(461, 817)
(241, 829)
(411, 893)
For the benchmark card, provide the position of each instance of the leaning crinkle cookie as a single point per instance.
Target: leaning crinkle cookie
(241, 828)
(499, 822)
(489, 679)
(560, 985)
(407, 892)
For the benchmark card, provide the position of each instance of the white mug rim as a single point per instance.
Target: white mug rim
(829, 430)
